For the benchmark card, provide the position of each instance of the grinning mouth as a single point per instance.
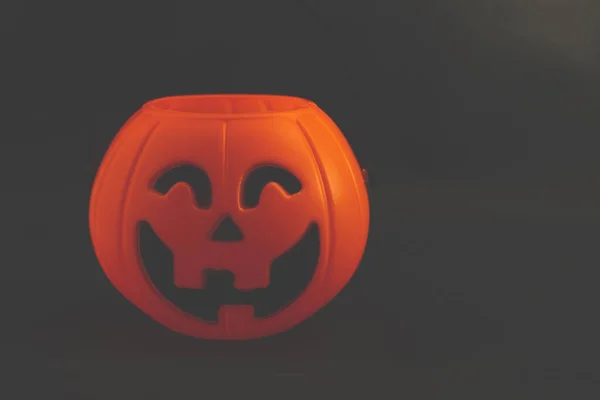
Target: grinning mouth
(290, 275)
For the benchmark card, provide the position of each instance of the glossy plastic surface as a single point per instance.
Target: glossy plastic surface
(228, 136)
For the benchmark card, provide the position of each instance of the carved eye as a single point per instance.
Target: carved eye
(193, 176)
(258, 178)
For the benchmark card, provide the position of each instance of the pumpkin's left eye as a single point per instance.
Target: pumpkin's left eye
(194, 176)
(259, 177)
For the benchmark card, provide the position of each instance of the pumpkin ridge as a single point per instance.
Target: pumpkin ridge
(325, 185)
(111, 155)
(127, 190)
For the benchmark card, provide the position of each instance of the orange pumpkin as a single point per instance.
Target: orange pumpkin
(255, 202)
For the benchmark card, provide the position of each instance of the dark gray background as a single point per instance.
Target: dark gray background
(478, 120)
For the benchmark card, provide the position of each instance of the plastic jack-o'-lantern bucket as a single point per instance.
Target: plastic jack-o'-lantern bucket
(229, 216)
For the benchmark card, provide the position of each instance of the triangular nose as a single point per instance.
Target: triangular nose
(227, 231)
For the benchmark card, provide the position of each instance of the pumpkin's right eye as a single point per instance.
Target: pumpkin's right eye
(194, 176)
